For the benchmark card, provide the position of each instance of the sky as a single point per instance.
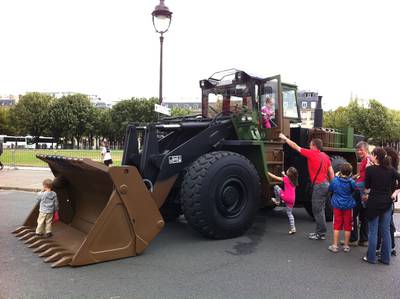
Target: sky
(110, 48)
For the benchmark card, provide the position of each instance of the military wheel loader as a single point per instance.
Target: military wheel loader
(212, 168)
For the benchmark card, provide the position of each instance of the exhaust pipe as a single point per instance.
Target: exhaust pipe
(318, 114)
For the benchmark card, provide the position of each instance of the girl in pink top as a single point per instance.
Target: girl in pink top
(268, 112)
(288, 194)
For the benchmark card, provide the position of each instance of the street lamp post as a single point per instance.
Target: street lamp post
(161, 22)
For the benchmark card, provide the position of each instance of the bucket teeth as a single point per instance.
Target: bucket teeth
(33, 239)
(52, 250)
(57, 256)
(19, 229)
(44, 245)
(26, 236)
(24, 231)
(62, 262)
(38, 242)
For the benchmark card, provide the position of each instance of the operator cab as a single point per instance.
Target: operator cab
(269, 103)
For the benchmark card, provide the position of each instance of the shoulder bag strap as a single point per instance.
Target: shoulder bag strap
(319, 169)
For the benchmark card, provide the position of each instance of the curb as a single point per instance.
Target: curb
(27, 168)
(20, 189)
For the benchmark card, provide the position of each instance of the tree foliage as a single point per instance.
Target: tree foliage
(134, 110)
(374, 121)
(31, 114)
(6, 127)
(177, 111)
(73, 118)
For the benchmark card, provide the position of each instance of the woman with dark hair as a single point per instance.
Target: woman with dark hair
(394, 155)
(380, 180)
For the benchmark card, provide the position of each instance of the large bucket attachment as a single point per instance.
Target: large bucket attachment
(105, 214)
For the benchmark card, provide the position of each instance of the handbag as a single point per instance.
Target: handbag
(310, 186)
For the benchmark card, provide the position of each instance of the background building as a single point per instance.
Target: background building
(193, 106)
(8, 100)
(308, 102)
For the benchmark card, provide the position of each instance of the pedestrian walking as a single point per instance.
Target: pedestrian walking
(48, 205)
(379, 182)
(288, 194)
(321, 172)
(106, 153)
(343, 187)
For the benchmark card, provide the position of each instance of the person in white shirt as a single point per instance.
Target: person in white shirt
(106, 154)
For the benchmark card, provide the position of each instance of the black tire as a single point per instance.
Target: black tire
(221, 195)
(172, 209)
(336, 162)
(328, 210)
(308, 207)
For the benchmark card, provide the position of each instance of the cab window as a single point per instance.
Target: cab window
(289, 103)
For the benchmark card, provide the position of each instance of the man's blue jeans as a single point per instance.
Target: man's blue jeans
(383, 221)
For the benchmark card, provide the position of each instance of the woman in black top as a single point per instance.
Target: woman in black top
(379, 179)
(394, 155)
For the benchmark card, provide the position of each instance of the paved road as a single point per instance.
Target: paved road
(28, 179)
(265, 263)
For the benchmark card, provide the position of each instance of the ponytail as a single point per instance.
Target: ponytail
(387, 162)
(382, 157)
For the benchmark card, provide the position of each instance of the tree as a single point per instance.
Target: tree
(6, 127)
(176, 111)
(31, 114)
(336, 119)
(374, 121)
(133, 110)
(71, 117)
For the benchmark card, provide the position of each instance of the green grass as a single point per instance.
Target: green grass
(27, 157)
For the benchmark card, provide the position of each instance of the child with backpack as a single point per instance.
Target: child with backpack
(343, 187)
(288, 194)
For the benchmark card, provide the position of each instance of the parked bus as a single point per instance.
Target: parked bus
(27, 142)
(42, 142)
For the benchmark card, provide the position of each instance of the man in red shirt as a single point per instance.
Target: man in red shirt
(359, 210)
(321, 172)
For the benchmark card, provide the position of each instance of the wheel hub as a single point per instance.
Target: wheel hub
(231, 198)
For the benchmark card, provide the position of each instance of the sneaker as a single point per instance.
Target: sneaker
(378, 253)
(316, 236)
(393, 252)
(346, 248)
(382, 262)
(365, 259)
(333, 248)
(292, 231)
(275, 201)
(48, 235)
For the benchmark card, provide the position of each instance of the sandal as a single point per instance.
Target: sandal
(333, 248)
